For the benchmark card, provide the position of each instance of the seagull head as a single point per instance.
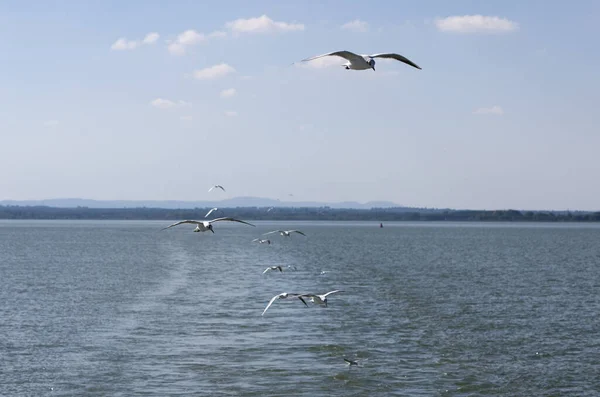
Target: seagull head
(372, 64)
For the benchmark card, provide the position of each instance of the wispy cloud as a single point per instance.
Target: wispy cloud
(183, 40)
(123, 44)
(161, 103)
(50, 123)
(475, 24)
(231, 113)
(357, 26)
(262, 24)
(213, 72)
(228, 93)
(493, 110)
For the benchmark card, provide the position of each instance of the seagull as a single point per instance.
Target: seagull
(350, 362)
(273, 268)
(269, 210)
(217, 187)
(283, 295)
(209, 212)
(261, 241)
(320, 299)
(202, 226)
(286, 233)
(363, 62)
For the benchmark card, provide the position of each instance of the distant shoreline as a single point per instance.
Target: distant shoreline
(297, 214)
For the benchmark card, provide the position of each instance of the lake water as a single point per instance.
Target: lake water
(122, 309)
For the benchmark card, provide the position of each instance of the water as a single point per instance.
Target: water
(122, 309)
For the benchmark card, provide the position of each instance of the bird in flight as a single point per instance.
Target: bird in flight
(217, 187)
(211, 211)
(273, 268)
(202, 226)
(320, 299)
(285, 233)
(363, 62)
(261, 241)
(350, 362)
(283, 295)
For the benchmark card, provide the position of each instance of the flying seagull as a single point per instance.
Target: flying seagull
(320, 299)
(283, 295)
(350, 362)
(273, 268)
(285, 233)
(202, 226)
(209, 212)
(261, 241)
(217, 187)
(363, 62)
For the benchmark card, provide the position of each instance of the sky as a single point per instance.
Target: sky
(160, 100)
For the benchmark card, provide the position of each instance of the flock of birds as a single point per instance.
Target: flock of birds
(354, 62)
(203, 226)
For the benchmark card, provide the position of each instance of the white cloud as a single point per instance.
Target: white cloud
(213, 72)
(228, 93)
(475, 24)
(231, 113)
(262, 24)
(188, 38)
(495, 110)
(123, 44)
(50, 123)
(151, 38)
(357, 26)
(168, 104)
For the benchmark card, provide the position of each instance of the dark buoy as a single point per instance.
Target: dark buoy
(381, 225)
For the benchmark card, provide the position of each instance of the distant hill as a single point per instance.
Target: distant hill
(176, 204)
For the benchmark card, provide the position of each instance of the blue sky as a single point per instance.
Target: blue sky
(503, 113)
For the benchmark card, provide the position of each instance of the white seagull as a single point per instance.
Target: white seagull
(283, 295)
(273, 268)
(261, 241)
(217, 187)
(209, 212)
(320, 299)
(363, 62)
(350, 362)
(285, 233)
(202, 226)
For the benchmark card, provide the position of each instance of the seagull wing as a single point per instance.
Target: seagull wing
(209, 212)
(211, 188)
(182, 222)
(274, 231)
(220, 187)
(256, 239)
(332, 292)
(303, 301)
(348, 361)
(266, 270)
(296, 231)
(273, 299)
(350, 56)
(397, 57)
(230, 220)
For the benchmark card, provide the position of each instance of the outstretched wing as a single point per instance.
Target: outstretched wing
(266, 270)
(230, 220)
(273, 299)
(397, 57)
(209, 212)
(350, 56)
(296, 231)
(300, 297)
(274, 231)
(332, 292)
(182, 222)
(220, 187)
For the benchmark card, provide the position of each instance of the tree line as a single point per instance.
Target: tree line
(298, 214)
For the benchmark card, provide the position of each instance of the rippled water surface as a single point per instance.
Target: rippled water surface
(122, 309)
